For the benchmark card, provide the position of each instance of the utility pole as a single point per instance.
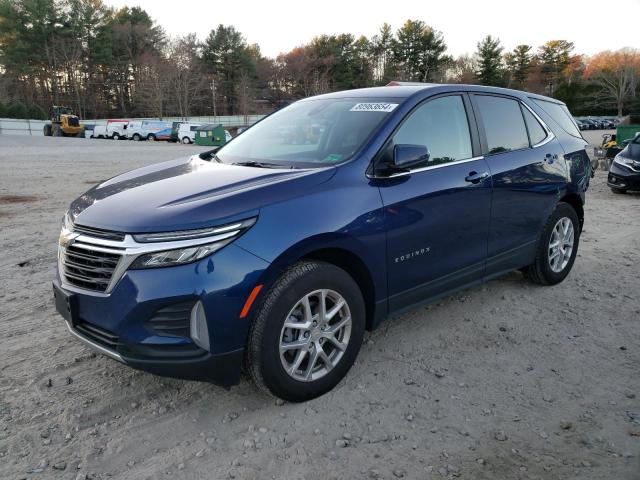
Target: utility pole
(213, 90)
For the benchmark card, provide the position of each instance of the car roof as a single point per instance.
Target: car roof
(404, 90)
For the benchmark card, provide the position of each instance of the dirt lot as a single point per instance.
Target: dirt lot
(504, 381)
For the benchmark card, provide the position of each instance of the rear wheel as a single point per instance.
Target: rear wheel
(186, 141)
(137, 137)
(307, 332)
(47, 130)
(618, 191)
(115, 136)
(557, 247)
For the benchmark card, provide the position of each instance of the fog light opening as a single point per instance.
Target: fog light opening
(199, 329)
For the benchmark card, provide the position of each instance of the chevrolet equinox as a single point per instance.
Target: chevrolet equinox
(276, 251)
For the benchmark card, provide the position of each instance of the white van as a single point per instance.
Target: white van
(187, 132)
(114, 129)
(149, 130)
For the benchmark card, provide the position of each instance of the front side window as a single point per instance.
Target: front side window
(503, 124)
(310, 133)
(441, 125)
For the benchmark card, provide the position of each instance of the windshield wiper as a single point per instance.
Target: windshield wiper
(253, 163)
(210, 155)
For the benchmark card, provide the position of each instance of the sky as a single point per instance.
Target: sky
(280, 25)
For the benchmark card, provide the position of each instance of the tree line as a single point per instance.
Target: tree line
(106, 62)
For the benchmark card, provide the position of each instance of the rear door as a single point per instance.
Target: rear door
(437, 214)
(526, 161)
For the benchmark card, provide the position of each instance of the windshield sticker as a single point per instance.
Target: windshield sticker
(333, 157)
(374, 107)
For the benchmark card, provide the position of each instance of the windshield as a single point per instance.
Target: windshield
(310, 133)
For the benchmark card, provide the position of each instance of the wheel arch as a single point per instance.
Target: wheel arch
(575, 201)
(336, 252)
(354, 266)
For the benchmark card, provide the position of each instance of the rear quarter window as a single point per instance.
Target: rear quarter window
(561, 115)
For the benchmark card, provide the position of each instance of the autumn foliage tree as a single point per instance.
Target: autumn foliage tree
(616, 74)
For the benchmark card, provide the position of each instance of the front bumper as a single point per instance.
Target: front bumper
(623, 178)
(140, 324)
(223, 369)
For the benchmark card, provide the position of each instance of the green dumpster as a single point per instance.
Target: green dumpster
(210, 135)
(626, 132)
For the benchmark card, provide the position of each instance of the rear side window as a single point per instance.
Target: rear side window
(561, 115)
(442, 126)
(503, 124)
(536, 132)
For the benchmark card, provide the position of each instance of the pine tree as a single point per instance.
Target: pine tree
(519, 62)
(489, 62)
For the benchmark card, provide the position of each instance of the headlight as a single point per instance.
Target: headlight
(218, 238)
(180, 256)
(623, 160)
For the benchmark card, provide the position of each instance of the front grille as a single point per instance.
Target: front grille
(99, 233)
(101, 336)
(86, 266)
(172, 320)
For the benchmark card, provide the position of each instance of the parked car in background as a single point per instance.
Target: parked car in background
(277, 254)
(149, 130)
(187, 132)
(624, 173)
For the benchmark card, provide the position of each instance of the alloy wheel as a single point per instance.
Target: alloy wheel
(561, 244)
(315, 335)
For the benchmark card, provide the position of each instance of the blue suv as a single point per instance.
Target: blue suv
(275, 252)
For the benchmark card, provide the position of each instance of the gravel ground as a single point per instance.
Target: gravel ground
(504, 381)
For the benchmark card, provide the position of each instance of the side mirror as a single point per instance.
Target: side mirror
(407, 156)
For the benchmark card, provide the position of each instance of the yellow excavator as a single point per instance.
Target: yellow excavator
(64, 123)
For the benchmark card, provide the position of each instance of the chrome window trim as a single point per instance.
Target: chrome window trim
(93, 345)
(550, 135)
(128, 250)
(428, 167)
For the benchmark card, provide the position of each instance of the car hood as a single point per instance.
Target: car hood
(632, 151)
(188, 193)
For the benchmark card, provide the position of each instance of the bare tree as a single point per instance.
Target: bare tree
(616, 73)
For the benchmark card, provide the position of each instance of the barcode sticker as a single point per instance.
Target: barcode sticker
(374, 107)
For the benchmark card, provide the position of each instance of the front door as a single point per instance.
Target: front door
(436, 214)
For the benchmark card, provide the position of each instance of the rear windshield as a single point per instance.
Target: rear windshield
(310, 133)
(561, 115)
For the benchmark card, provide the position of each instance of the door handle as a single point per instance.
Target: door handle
(475, 177)
(550, 158)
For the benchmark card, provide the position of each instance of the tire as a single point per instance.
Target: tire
(115, 136)
(137, 137)
(151, 137)
(264, 361)
(541, 270)
(186, 141)
(47, 130)
(618, 191)
(57, 130)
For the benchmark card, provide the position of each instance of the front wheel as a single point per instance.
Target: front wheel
(115, 136)
(151, 137)
(307, 332)
(557, 247)
(186, 141)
